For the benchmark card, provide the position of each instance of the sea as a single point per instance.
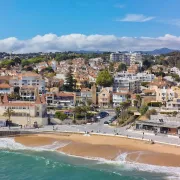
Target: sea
(18, 162)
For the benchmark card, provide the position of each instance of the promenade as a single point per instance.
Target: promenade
(100, 128)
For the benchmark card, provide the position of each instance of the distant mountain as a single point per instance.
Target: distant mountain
(160, 51)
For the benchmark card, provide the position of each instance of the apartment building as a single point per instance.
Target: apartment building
(135, 58)
(125, 81)
(120, 57)
(164, 94)
(61, 99)
(142, 77)
(28, 79)
(119, 97)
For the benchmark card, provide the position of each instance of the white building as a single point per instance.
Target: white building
(120, 57)
(175, 70)
(126, 83)
(28, 79)
(136, 58)
(165, 94)
(142, 77)
(119, 97)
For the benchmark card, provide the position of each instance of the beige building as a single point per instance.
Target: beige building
(105, 97)
(25, 113)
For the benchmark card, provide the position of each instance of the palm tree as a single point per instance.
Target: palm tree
(8, 113)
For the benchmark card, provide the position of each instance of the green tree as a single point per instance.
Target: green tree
(70, 82)
(147, 64)
(61, 115)
(111, 67)
(17, 60)
(139, 100)
(143, 109)
(122, 67)
(150, 112)
(8, 113)
(104, 78)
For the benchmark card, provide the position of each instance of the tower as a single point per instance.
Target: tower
(94, 95)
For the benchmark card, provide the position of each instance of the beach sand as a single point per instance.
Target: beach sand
(108, 147)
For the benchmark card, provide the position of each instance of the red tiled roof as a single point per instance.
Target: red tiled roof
(17, 104)
(65, 94)
(3, 85)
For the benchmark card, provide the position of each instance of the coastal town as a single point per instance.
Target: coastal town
(105, 92)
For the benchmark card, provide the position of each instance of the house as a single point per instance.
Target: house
(61, 99)
(86, 93)
(119, 97)
(133, 69)
(164, 94)
(105, 97)
(25, 113)
(5, 88)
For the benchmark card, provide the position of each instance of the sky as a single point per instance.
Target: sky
(106, 25)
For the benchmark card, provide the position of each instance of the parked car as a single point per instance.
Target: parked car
(102, 115)
(106, 123)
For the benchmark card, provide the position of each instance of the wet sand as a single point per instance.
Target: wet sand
(108, 148)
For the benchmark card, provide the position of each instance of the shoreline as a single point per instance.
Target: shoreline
(107, 147)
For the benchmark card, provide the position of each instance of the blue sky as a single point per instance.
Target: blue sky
(23, 19)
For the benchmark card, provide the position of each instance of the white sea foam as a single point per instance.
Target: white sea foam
(173, 171)
(9, 143)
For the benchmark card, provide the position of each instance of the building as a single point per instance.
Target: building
(142, 77)
(164, 95)
(5, 89)
(28, 79)
(105, 97)
(28, 92)
(122, 81)
(25, 113)
(86, 94)
(64, 99)
(133, 69)
(119, 97)
(160, 124)
(120, 57)
(136, 58)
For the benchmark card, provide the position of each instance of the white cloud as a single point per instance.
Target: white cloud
(136, 18)
(74, 42)
(119, 5)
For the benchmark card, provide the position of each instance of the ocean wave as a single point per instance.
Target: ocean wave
(11, 144)
(172, 172)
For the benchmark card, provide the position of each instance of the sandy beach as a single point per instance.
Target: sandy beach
(108, 147)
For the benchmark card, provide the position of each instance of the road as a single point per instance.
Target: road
(106, 129)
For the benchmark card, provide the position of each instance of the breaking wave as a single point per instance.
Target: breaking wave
(9, 143)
